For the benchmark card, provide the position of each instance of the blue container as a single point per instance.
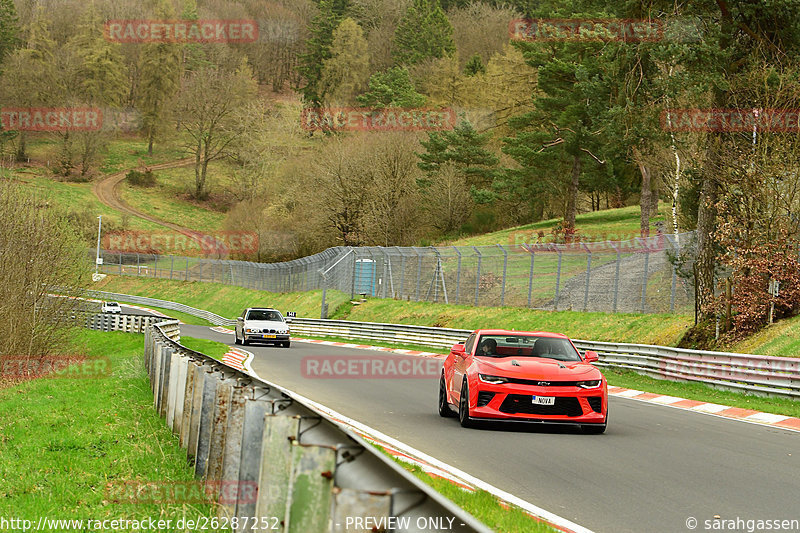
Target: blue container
(365, 277)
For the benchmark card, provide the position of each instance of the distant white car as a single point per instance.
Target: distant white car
(262, 324)
(111, 307)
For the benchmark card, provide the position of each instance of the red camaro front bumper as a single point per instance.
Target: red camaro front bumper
(570, 404)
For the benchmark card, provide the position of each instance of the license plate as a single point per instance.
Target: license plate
(269, 336)
(544, 400)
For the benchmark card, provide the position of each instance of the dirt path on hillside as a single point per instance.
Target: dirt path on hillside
(107, 191)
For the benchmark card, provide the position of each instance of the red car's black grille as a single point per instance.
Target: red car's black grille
(543, 383)
(596, 403)
(484, 398)
(523, 404)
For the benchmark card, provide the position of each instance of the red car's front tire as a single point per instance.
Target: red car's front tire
(444, 406)
(463, 407)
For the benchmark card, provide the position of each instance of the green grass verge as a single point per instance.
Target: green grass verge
(210, 348)
(229, 301)
(63, 440)
(621, 327)
(480, 504)
(609, 224)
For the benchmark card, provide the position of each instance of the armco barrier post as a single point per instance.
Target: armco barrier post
(166, 363)
(155, 378)
(219, 424)
(210, 382)
(310, 488)
(232, 453)
(172, 388)
(276, 465)
(198, 386)
(255, 410)
(180, 394)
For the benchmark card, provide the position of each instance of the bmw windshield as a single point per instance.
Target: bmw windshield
(497, 346)
(260, 314)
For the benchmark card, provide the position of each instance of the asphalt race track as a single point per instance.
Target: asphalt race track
(655, 466)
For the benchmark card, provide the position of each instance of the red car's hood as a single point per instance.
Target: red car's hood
(537, 368)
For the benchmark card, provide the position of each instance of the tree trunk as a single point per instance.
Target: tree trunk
(644, 200)
(705, 249)
(572, 195)
(198, 184)
(21, 156)
(150, 136)
(653, 197)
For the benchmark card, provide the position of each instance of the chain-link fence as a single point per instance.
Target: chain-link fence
(634, 276)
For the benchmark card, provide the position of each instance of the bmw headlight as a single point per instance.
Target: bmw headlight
(494, 380)
(250, 330)
(593, 384)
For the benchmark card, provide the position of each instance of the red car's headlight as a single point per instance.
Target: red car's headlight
(593, 384)
(494, 380)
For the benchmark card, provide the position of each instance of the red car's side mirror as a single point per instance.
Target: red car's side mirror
(591, 356)
(458, 349)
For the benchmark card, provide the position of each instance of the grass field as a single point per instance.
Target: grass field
(169, 199)
(63, 441)
(609, 224)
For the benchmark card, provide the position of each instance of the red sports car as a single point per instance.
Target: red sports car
(523, 376)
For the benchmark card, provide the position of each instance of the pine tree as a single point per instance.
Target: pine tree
(466, 149)
(160, 71)
(345, 73)
(474, 66)
(8, 28)
(391, 88)
(101, 69)
(30, 79)
(318, 49)
(423, 32)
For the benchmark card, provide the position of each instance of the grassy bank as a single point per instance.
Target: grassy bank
(229, 301)
(609, 224)
(63, 440)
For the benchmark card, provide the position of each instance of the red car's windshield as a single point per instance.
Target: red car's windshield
(526, 346)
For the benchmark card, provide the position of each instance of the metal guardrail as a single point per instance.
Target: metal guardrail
(759, 374)
(311, 474)
(115, 322)
(165, 304)
(778, 376)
